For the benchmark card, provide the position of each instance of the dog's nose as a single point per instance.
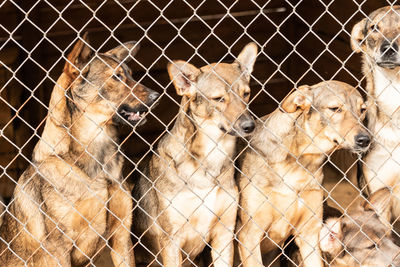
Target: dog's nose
(362, 140)
(247, 126)
(389, 49)
(153, 96)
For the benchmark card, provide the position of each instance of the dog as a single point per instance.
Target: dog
(376, 37)
(187, 197)
(357, 238)
(281, 168)
(71, 199)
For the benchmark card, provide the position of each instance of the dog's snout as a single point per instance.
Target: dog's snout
(362, 140)
(247, 125)
(389, 49)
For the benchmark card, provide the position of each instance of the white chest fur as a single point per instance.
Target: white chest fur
(384, 159)
(387, 91)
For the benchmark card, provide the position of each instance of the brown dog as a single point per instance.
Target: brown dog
(71, 200)
(377, 37)
(281, 170)
(188, 197)
(358, 238)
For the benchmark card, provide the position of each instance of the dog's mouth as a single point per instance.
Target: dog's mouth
(135, 116)
(360, 150)
(354, 148)
(231, 132)
(388, 64)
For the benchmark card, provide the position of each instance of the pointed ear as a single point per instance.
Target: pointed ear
(331, 236)
(299, 99)
(247, 58)
(184, 76)
(78, 57)
(124, 52)
(358, 36)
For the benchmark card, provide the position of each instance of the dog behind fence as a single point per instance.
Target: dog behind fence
(222, 186)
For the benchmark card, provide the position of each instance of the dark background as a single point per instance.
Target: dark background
(301, 42)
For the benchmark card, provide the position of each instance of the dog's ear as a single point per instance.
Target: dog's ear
(331, 236)
(124, 52)
(247, 58)
(358, 36)
(299, 99)
(381, 203)
(184, 76)
(78, 57)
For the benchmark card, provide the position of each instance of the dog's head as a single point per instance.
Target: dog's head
(103, 86)
(333, 115)
(378, 37)
(218, 93)
(360, 238)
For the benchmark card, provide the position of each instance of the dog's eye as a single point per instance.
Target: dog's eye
(363, 110)
(246, 94)
(219, 99)
(118, 77)
(335, 109)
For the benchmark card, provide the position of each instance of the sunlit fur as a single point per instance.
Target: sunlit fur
(281, 169)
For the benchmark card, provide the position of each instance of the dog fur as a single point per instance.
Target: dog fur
(71, 198)
(281, 169)
(358, 238)
(188, 197)
(377, 38)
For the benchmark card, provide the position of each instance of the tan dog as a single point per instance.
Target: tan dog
(188, 197)
(377, 37)
(281, 170)
(71, 199)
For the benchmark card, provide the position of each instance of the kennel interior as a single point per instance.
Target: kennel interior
(300, 42)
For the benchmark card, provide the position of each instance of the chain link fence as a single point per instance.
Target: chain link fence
(174, 187)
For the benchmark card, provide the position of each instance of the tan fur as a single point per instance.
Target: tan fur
(381, 69)
(188, 197)
(72, 199)
(281, 170)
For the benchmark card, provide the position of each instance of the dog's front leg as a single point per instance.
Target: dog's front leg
(222, 237)
(119, 222)
(307, 237)
(170, 251)
(249, 244)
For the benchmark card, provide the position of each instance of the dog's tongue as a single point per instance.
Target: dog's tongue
(134, 116)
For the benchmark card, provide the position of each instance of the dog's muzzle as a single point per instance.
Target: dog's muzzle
(362, 142)
(243, 126)
(136, 115)
(389, 55)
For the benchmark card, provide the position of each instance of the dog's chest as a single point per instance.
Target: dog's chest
(382, 165)
(217, 154)
(387, 92)
(296, 177)
(194, 212)
(207, 162)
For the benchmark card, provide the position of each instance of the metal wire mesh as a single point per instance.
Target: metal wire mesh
(166, 189)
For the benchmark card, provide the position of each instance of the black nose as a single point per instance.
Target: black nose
(388, 49)
(362, 140)
(153, 96)
(247, 126)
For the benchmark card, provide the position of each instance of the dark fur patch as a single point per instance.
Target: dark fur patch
(72, 108)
